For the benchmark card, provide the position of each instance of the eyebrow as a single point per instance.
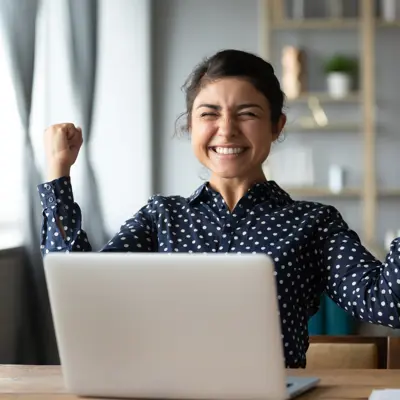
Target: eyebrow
(240, 107)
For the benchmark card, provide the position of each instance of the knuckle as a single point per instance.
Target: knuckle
(55, 128)
(68, 126)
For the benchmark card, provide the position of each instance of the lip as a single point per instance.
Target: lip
(228, 146)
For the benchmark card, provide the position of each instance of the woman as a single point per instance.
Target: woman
(234, 113)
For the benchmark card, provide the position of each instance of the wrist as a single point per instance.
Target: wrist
(57, 171)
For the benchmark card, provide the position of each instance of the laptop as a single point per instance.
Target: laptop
(176, 326)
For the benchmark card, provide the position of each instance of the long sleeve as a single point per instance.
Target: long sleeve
(355, 279)
(136, 234)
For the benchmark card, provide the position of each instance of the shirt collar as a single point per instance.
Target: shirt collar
(269, 190)
(197, 193)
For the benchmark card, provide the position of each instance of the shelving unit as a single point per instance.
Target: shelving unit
(317, 23)
(273, 22)
(386, 24)
(389, 193)
(346, 193)
(335, 127)
(332, 24)
(323, 97)
(320, 192)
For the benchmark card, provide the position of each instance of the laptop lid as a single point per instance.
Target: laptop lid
(173, 326)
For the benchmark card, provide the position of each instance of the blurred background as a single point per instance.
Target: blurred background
(116, 67)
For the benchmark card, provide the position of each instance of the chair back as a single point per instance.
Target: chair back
(352, 352)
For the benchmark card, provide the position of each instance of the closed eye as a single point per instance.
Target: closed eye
(208, 114)
(248, 114)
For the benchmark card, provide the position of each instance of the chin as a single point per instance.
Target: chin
(229, 174)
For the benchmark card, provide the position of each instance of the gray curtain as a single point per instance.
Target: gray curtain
(36, 342)
(83, 24)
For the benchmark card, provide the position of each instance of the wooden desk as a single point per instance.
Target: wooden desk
(45, 383)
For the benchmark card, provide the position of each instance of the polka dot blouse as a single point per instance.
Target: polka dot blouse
(312, 247)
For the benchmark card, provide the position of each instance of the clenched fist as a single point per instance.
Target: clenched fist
(62, 144)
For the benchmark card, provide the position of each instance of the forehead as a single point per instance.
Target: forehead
(229, 91)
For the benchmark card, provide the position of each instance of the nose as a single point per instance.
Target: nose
(227, 127)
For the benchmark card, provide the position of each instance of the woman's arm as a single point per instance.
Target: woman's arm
(355, 279)
(62, 224)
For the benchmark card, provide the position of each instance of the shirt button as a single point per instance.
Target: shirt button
(47, 187)
(51, 199)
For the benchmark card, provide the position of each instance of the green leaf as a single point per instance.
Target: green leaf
(340, 63)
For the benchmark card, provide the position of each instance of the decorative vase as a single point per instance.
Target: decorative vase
(336, 177)
(339, 84)
(293, 76)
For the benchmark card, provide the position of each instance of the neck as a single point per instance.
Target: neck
(233, 189)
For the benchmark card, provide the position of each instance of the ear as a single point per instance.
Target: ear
(278, 127)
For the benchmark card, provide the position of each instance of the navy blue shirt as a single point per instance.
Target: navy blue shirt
(313, 249)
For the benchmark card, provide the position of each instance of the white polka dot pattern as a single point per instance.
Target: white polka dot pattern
(312, 247)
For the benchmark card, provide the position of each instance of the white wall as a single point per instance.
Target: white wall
(185, 31)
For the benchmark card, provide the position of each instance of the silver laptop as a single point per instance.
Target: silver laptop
(184, 326)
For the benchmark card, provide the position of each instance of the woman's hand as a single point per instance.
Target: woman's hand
(62, 144)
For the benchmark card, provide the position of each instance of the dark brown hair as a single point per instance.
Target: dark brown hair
(235, 63)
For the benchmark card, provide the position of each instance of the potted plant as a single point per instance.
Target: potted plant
(340, 71)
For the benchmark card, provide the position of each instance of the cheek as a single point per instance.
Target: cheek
(202, 135)
(259, 134)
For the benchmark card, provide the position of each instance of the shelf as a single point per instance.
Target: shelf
(328, 24)
(389, 193)
(317, 23)
(314, 192)
(336, 127)
(387, 24)
(322, 192)
(325, 97)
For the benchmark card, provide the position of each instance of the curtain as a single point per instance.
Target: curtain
(83, 17)
(36, 342)
(330, 320)
(77, 22)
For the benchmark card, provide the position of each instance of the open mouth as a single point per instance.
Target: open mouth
(228, 150)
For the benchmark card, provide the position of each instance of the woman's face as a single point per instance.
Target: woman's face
(231, 129)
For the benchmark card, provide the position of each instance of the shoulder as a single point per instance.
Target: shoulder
(323, 214)
(312, 206)
(302, 208)
(159, 206)
(160, 202)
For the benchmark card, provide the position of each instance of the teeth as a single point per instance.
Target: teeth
(229, 150)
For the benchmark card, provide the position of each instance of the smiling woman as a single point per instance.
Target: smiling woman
(234, 113)
(232, 138)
